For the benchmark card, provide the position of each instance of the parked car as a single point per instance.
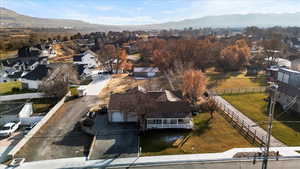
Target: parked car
(9, 128)
(28, 128)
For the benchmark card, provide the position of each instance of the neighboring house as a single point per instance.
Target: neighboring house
(83, 71)
(34, 78)
(167, 110)
(145, 72)
(22, 63)
(88, 58)
(15, 112)
(280, 62)
(288, 82)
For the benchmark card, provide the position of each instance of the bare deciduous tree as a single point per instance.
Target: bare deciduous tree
(56, 84)
(193, 85)
(107, 56)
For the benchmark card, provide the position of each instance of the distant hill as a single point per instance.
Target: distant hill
(10, 18)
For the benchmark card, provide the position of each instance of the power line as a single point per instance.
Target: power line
(271, 116)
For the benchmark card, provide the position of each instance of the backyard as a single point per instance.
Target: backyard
(254, 106)
(217, 80)
(209, 136)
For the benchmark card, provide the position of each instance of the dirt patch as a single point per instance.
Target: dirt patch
(255, 154)
(122, 82)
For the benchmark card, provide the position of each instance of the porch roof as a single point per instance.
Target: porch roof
(170, 110)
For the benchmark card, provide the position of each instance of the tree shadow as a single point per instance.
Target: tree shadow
(217, 78)
(260, 80)
(202, 126)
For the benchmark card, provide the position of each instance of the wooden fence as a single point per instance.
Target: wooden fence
(245, 129)
(239, 90)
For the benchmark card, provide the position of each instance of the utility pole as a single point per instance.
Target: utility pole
(273, 96)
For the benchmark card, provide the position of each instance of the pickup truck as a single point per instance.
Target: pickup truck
(9, 128)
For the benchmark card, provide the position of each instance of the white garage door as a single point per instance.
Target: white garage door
(151, 74)
(117, 117)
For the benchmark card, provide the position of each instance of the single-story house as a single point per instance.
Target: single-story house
(145, 72)
(33, 79)
(165, 109)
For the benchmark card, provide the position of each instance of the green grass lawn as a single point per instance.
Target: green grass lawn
(7, 86)
(209, 136)
(254, 106)
(234, 80)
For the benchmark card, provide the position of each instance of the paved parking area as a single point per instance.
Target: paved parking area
(61, 136)
(114, 140)
(8, 143)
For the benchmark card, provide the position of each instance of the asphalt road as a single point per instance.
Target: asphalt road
(61, 137)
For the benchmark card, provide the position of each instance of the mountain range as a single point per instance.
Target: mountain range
(12, 19)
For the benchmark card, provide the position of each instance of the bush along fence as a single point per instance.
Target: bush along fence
(245, 129)
(239, 90)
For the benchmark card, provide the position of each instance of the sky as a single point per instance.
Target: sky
(135, 12)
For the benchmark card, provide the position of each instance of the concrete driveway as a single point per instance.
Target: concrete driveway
(114, 139)
(8, 143)
(98, 83)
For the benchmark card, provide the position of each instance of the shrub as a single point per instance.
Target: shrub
(15, 89)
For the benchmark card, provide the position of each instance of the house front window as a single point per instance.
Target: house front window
(158, 121)
(173, 121)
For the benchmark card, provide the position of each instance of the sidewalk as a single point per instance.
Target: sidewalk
(81, 162)
(259, 131)
(21, 96)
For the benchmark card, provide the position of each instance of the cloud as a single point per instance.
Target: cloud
(104, 8)
(118, 20)
(221, 7)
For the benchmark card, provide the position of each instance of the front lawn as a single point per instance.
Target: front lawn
(210, 136)
(254, 106)
(8, 86)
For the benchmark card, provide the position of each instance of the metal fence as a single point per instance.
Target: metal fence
(245, 129)
(239, 90)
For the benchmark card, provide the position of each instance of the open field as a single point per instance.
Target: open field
(209, 136)
(7, 54)
(254, 106)
(216, 80)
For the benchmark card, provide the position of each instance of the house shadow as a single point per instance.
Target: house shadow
(116, 141)
(159, 140)
(76, 138)
(290, 118)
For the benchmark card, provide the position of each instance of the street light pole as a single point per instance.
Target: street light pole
(270, 120)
